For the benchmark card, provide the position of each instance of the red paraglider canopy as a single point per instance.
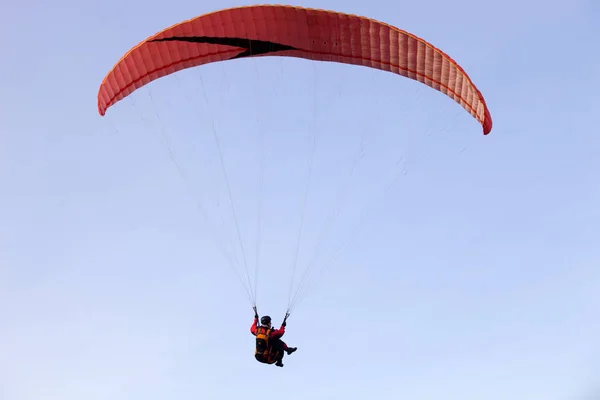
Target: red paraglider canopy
(276, 30)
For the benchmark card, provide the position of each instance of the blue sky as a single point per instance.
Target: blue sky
(474, 277)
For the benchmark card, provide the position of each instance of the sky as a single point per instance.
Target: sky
(468, 265)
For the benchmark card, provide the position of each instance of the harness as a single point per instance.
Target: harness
(263, 351)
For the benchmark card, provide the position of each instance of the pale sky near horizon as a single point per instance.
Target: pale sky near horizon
(476, 276)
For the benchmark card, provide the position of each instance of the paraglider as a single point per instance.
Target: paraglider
(289, 31)
(269, 347)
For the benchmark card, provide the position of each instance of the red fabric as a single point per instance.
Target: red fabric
(277, 333)
(299, 32)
